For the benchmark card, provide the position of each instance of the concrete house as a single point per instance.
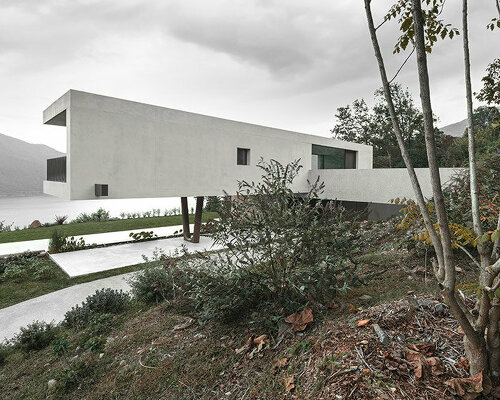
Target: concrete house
(123, 149)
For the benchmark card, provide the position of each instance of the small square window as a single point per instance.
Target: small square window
(243, 156)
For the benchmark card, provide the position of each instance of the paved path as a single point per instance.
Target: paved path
(97, 238)
(83, 262)
(53, 306)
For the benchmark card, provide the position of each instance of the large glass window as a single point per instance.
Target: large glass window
(334, 158)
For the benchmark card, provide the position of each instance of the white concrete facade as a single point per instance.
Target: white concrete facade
(379, 185)
(142, 150)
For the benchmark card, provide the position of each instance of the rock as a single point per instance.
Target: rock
(441, 309)
(382, 336)
(426, 303)
(365, 298)
(51, 384)
(122, 363)
(109, 340)
(101, 355)
(35, 224)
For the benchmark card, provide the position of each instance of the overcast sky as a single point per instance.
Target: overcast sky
(287, 63)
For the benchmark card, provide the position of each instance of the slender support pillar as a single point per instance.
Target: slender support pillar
(185, 218)
(197, 220)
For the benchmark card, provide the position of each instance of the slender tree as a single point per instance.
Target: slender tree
(421, 28)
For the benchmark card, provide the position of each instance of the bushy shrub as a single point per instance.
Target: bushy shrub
(5, 227)
(4, 353)
(168, 282)
(281, 244)
(213, 204)
(60, 345)
(23, 266)
(35, 336)
(72, 376)
(56, 242)
(98, 216)
(60, 219)
(95, 344)
(104, 301)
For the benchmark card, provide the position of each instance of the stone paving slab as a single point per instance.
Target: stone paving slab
(97, 238)
(52, 306)
(83, 262)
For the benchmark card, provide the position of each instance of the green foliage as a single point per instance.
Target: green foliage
(278, 241)
(357, 123)
(61, 244)
(104, 301)
(4, 227)
(166, 283)
(490, 92)
(434, 28)
(72, 376)
(143, 235)
(56, 242)
(95, 344)
(213, 204)
(5, 350)
(35, 336)
(60, 219)
(60, 345)
(19, 267)
(98, 216)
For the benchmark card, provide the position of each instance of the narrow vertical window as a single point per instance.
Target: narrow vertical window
(243, 156)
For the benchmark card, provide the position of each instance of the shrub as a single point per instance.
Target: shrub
(56, 242)
(169, 282)
(95, 344)
(104, 301)
(281, 245)
(60, 345)
(4, 353)
(143, 235)
(23, 266)
(35, 336)
(71, 377)
(213, 204)
(4, 227)
(98, 216)
(60, 219)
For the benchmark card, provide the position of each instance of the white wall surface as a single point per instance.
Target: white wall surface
(378, 185)
(141, 150)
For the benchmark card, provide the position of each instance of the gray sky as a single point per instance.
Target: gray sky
(287, 63)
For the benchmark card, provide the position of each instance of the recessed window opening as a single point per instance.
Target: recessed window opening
(243, 156)
(334, 158)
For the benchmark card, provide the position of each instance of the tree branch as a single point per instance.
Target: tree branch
(402, 65)
(469, 254)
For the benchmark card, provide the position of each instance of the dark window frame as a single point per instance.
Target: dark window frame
(242, 156)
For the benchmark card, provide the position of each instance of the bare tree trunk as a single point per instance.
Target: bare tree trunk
(197, 220)
(470, 126)
(399, 136)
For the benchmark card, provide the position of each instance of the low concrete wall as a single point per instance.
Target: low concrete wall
(58, 189)
(378, 185)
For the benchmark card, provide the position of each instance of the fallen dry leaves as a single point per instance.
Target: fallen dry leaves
(363, 322)
(420, 356)
(299, 321)
(467, 388)
(289, 383)
(279, 364)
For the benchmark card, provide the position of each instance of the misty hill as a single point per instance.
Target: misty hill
(23, 166)
(456, 130)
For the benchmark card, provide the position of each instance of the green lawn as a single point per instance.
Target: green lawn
(86, 228)
(12, 292)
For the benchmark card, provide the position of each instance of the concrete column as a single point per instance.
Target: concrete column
(185, 218)
(197, 220)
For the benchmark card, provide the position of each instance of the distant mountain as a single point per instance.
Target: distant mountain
(456, 130)
(23, 166)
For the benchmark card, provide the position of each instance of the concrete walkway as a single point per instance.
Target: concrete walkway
(53, 306)
(97, 238)
(83, 262)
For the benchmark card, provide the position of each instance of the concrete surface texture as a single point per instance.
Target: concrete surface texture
(97, 238)
(83, 262)
(377, 185)
(53, 306)
(142, 150)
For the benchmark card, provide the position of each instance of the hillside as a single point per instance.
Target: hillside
(456, 129)
(22, 166)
